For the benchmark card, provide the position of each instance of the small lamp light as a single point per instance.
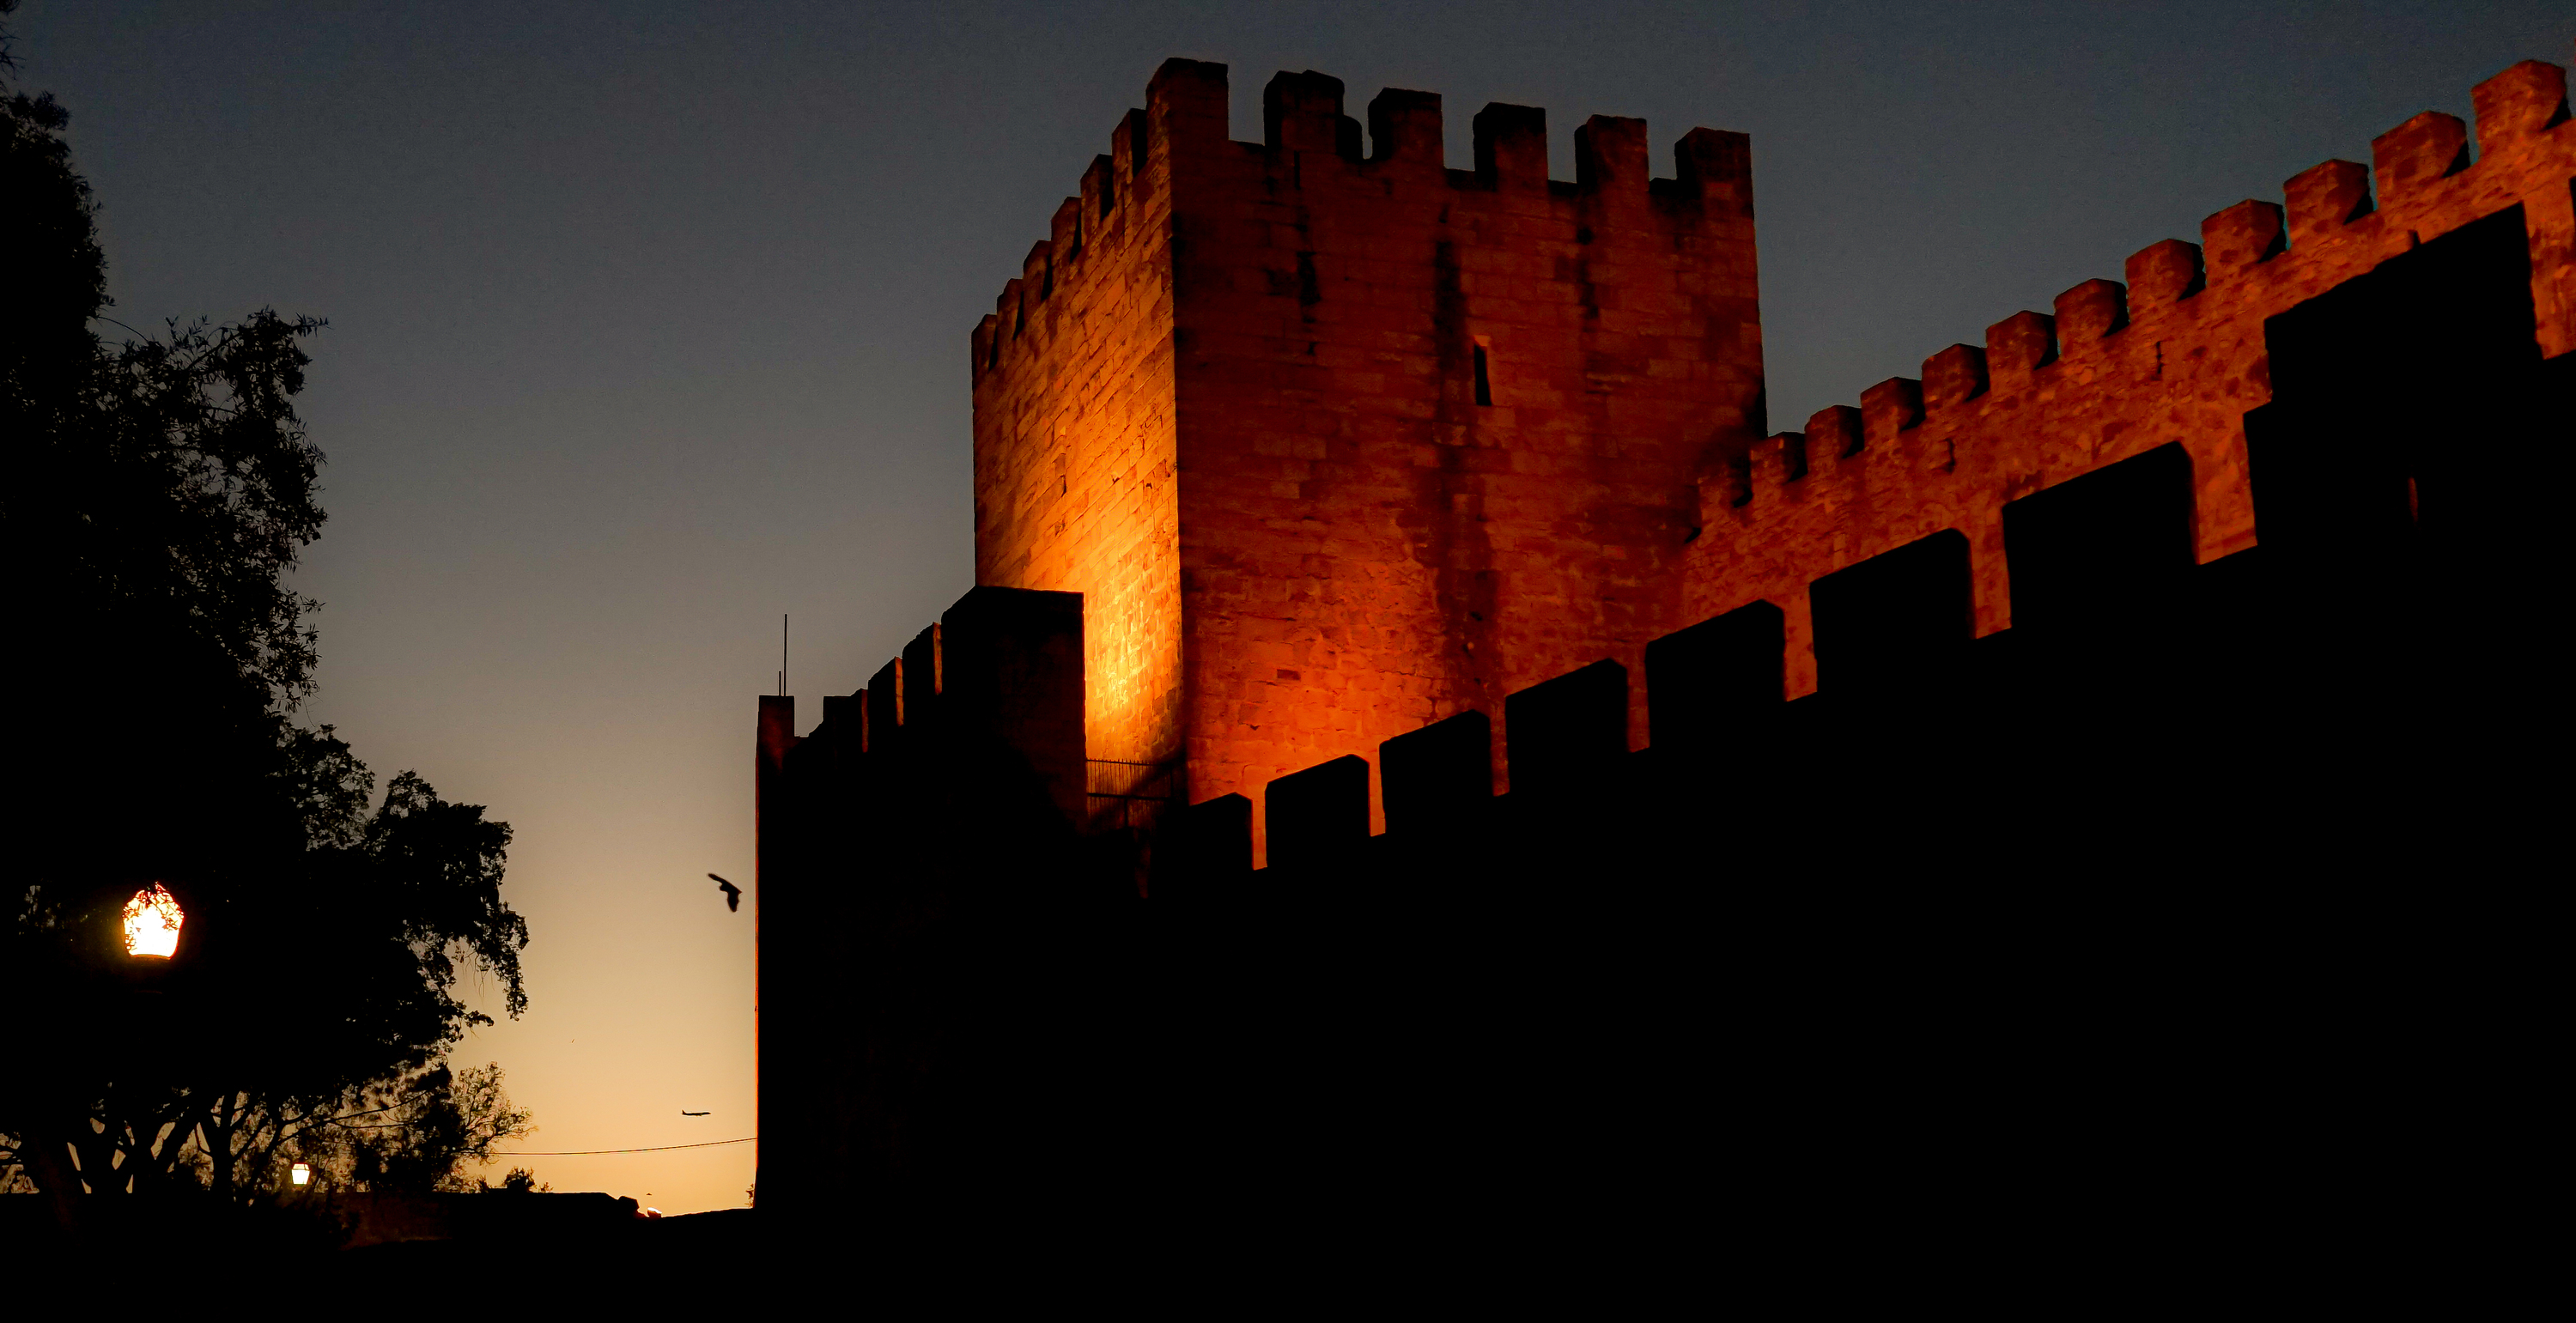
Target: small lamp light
(152, 922)
(301, 1175)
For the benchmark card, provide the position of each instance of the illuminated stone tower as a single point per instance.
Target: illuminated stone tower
(1336, 443)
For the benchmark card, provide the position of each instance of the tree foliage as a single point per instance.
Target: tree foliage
(523, 1181)
(163, 488)
(439, 1121)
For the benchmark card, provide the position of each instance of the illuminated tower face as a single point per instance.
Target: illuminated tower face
(1338, 445)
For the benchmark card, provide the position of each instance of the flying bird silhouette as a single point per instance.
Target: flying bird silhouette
(733, 894)
(686, 1112)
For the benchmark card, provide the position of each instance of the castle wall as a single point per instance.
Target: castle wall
(994, 1011)
(2176, 354)
(1074, 442)
(1367, 548)
(1340, 445)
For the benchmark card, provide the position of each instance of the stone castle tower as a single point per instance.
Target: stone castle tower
(1335, 445)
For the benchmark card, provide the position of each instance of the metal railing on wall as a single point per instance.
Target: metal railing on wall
(1127, 795)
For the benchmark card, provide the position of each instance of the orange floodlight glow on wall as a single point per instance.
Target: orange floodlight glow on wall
(152, 922)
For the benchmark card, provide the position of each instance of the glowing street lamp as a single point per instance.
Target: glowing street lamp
(152, 922)
(301, 1175)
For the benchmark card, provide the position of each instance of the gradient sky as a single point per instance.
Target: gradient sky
(648, 323)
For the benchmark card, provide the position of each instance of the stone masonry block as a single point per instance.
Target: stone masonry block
(1610, 155)
(2240, 237)
(847, 715)
(1780, 459)
(1207, 854)
(1833, 433)
(2523, 100)
(1511, 147)
(1187, 101)
(2162, 274)
(1717, 168)
(1405, 126)
(2325, 198)
(1953, 377)
(1010, 662)
(2430, 147)
(2018, 346)
(885, 700)
(1707, 683)
(1563, 734)
(1064, 233)
(1302, 112)
(1319, 815)
(1888, 408)
(1099, 189)
(1434, 777)
(1127, 153)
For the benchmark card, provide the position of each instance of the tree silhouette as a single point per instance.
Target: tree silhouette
(163, 486)
(438, 1122)
(523, 1181)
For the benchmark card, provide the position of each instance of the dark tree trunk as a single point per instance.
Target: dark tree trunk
(46, 1156)
(217, 1130)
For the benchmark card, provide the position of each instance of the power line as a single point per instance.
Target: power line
(594, 1152)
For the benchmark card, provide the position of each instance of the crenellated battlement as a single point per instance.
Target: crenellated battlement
(2173, 352)
(1305, 127)
(1323, 405)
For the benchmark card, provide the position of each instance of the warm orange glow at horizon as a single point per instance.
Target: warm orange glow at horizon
(152, 922)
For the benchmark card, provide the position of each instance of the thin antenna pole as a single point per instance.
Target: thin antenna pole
(782, 654)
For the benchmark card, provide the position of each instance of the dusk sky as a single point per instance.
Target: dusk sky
(648, 323)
